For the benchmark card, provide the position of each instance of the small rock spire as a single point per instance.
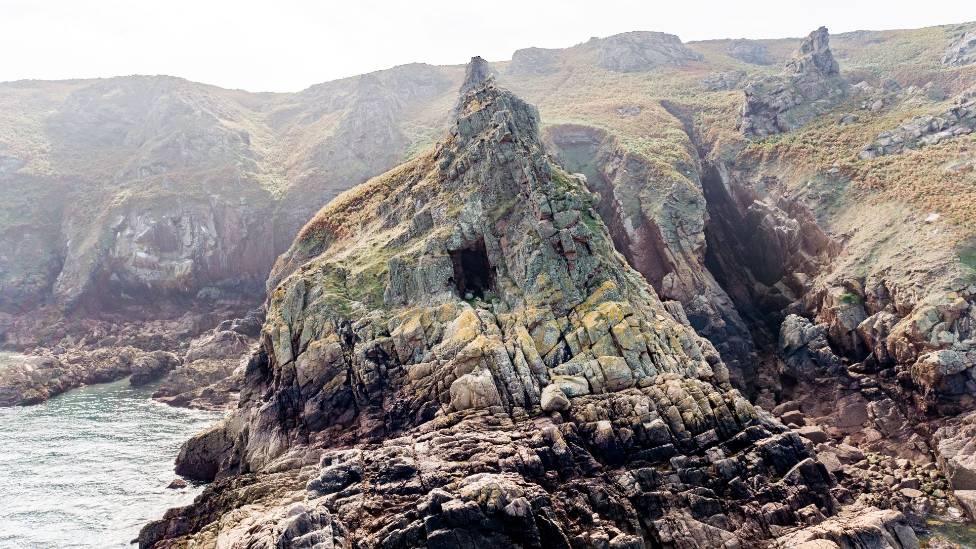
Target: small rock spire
(814, 57)
(476, 74)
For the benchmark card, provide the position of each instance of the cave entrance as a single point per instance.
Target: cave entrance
(473, 274)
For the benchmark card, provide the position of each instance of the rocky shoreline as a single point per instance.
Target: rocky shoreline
(498, 421)
(205, 374)
(546, 336)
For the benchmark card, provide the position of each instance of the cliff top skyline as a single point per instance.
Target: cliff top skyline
(260, 46)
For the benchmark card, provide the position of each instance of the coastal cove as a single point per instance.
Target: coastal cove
(88, 468)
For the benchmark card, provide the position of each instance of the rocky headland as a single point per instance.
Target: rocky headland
(715, 294)
(456, 347)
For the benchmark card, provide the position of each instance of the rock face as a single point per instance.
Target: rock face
(639, 51)
(146, 197)
(416, 329)
(661, 233)
(810, 84)
(955, 446)
(151, 251)
(475, 75)
(749, 51)
(869, 527)
(535, 61)
(927, 130)
(962, 51)
(122, 222)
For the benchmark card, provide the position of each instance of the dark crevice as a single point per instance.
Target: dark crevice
(474, 277)
(738, 255)
(752, 248)
(578, 150)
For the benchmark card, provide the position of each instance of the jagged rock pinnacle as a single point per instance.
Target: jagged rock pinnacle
(814, 57)
(810, 82)
(476, 74)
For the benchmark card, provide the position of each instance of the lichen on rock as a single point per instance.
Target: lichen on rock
(461, 349)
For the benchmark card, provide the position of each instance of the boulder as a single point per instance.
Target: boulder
(955, 448)
(553, 399)
(152, 366)
(804, 348)
(967, 500)
(813, 433)
(867, 528)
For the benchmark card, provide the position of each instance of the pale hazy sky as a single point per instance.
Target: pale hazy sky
(287, 45)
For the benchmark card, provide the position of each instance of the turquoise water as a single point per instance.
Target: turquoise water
(90, 467)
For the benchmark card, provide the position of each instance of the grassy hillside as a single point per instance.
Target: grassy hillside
(71, 151)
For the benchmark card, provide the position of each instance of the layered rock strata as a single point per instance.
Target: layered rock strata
(461, 351)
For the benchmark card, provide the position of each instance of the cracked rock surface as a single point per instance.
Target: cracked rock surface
(455, 356)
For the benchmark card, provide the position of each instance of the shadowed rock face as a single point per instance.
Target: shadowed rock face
(563, 407)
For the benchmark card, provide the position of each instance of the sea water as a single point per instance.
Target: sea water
(90, 467)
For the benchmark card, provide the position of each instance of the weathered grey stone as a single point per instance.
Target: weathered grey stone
(553, 399)
(435, 399)
(962, 51)
(810, 83)
(749, 51)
